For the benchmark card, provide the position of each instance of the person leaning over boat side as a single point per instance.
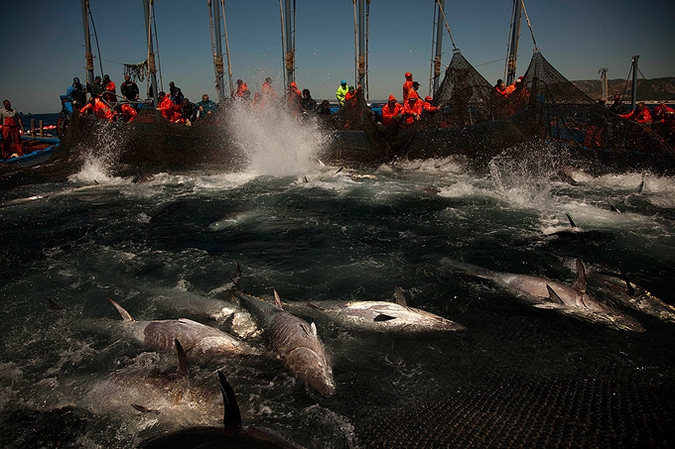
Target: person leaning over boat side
(11, 131)
(165, 106)
(324, 108)
(293, 98)
(109, 90)
(99, 108)
(76, 94)
(412, 108)
(408, 85)
(242, 92)
(206, 107)
(125, 112)
(307, 103)
(268, 94)
(95, 89)
(662, 112)
(189, 111)
(641, 114)
(500, 88)
(129, 89)
(617, 105)
(392, 113)
(341, 92)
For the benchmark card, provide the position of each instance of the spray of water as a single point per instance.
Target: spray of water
(276, 141)
(99, 164)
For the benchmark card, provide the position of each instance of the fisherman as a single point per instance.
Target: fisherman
(307, 103)
(206, 107)
(617, 105)
(11, 131)
(500, 88)
(351, 93)
(189, 111)
(412, 108)
(268, 92)
(641, 114)
(427, 106)
(129, 89)
(166, 106)
(341, 92)
(95, 89)
(76, 94)
(99, 107)
(109, 91)
(324, 108)
(407, 86)
(242, 92)
(392, 113)
(662, 112)
(293, 98)
(125, 112)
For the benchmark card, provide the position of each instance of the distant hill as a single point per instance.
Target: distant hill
(648, 89)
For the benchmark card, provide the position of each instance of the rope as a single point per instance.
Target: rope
(98, 48)
(447, 26)
(529, 25)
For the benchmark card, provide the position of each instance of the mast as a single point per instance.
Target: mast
(513, 43)
(147, 7)
(633, 95)
(288, 39)
(87, 42)
(360, 43)
(439, 7)
(216, 46)
(603, 81)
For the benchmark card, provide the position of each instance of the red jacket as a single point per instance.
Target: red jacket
(388, 113)
(413, 110)
(166, 107)
(640, 115)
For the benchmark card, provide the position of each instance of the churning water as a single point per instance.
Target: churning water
(517, 377)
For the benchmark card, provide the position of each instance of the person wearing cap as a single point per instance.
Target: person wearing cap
(392, 112)
(426, 104)
(412, 108)
(76, 93)
(341, 92)
(293, 97)
(408, 85)
(242, 91)
(129, 89)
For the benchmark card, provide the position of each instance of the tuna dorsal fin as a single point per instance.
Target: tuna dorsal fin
(314, 332)
(553, 295)
(580, 282)
(277, 299)
(183, 369)
(383, 317)
(569, 218)
(237, 278)
(629, 286)
(312, 306)
(125, 315)
(52, 304)
(400, 297)
(232, 415)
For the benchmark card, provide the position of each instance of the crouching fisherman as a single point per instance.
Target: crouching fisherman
(99, 108)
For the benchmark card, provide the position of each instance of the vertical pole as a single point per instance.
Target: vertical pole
(362, 44)
(227, 48)
(633, 95)
(439, 8)
(216, 47)
(151, 53)
(87, 42)
(513, 45)
(289, 31)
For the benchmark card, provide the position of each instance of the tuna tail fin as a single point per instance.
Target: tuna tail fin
(642, 184)
(125, 315)
(183, 370)
(400, 297)
(629, 286)
(580, 282)
(232, 415)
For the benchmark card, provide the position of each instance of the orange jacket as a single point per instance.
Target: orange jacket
(408, 85)
(639, 115)
(241, 90)
(166, 107)
(127, 112)
(389, 111)
(412, 110)
(99, 108)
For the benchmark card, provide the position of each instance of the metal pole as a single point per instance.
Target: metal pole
(217, 50)
(439, 8)
(513, 46)
(289, 27)
(87, 42)
(362, 44)
(151, 53)
(227, 48)
(633, 95)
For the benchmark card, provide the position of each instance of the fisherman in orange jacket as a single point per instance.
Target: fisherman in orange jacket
(412, 108)
(641, 114)
(392, 112)
(126, 112)
(99, 107)
(293, 97)
(242, 92)
(408, 85)
(166, 106)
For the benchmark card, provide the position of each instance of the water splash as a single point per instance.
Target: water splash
(276, 142)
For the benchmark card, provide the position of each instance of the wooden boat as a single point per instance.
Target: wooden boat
(36, 150)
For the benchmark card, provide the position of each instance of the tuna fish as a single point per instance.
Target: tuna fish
(379, 316)
(292, 339)
(199, 340)
(549, 294)
(231, 435)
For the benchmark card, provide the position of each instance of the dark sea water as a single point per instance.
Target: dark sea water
(518, 376)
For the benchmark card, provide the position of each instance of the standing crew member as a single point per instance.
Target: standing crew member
(341, 92)
(408, 85)
(129, 89)
(11, 131)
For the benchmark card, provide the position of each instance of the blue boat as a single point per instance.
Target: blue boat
(37, 150)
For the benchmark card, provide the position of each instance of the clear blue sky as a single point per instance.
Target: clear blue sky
(43, 46)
